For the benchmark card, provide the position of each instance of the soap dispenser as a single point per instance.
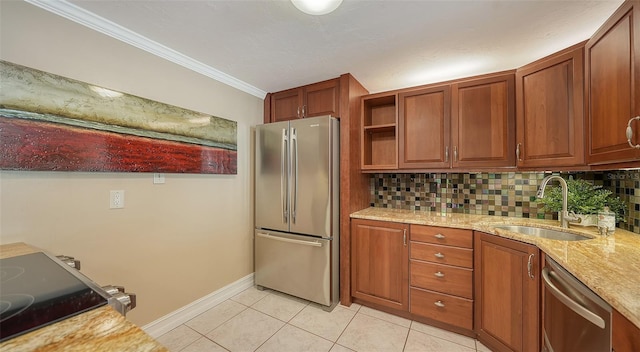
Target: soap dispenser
(606, 221)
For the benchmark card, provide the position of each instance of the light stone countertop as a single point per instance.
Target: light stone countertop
(609, 266)
(100, 329)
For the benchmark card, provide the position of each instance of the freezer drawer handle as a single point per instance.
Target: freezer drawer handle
(289, 240)
(573, 305)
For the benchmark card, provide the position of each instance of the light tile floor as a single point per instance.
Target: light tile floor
(268, 321)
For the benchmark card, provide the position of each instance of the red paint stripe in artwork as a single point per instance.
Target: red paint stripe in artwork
(45, 146)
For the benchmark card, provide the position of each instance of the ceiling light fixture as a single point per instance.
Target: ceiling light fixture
(316, 7)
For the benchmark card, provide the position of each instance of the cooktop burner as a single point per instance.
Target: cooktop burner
(36, 291)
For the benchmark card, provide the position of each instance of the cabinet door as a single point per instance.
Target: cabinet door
(626, 336)
(483, 122)
(507, 305)
(612, 59)
(379, 263)
(550, 119)
(321, 99)
(286, 105)
(424, 128)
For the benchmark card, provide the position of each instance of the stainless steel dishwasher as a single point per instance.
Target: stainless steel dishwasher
(575, 318)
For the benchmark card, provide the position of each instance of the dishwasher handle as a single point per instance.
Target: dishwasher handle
(573, 305)
(289, 240)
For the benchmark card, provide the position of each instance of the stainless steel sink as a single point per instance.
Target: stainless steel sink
(544, 233)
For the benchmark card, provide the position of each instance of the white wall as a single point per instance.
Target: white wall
(172, 243)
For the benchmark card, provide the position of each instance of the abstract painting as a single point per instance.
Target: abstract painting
(54, 123)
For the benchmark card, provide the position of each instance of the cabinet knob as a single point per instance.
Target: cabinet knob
(439, 304)
(439, 255)
(439, 274)
(439, 236)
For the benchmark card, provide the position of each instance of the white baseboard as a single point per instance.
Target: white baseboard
(174, 319)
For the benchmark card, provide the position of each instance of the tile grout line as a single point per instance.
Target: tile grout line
(347, 326)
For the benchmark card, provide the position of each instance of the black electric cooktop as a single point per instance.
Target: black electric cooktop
(36, 290)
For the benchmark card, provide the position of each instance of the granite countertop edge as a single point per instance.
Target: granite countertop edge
(609, 266)
(99, 329)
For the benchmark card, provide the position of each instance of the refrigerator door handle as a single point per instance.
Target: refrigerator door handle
(289, 240)
(283, 175)
(294, 173)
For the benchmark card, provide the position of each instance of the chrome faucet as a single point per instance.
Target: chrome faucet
(564, 216)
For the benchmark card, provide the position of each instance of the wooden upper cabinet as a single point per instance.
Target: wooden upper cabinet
(612, 87)
(322, 99)
(380, 263)
(379, 142)
(550, 119)
(308, 101)
(483, 122)
(286, 105)
(424, 128)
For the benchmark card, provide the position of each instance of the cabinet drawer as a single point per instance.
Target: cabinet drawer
(447, 309)
(442, 254)
(442, 278)
(442, 235)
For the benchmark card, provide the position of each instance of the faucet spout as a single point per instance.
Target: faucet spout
(564, 215)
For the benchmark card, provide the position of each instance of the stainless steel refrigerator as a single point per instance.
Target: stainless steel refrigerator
(297, 208)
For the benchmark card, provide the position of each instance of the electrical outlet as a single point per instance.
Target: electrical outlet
(116, 199)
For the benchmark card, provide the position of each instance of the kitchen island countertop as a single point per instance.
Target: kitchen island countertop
(100, 329)
(610, 266)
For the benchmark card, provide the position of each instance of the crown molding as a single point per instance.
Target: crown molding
(114, 30)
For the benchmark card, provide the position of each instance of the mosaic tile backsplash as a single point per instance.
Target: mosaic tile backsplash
(501, 194)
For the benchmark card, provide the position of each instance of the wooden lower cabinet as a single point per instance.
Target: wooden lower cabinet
(441, 277)
(507, 293)
(626, 336)
(380, 263)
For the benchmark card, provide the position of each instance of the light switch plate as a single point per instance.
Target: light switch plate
(158, 178)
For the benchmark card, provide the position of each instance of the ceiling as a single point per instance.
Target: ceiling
(268, 45)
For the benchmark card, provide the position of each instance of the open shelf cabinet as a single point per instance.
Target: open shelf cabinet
(379, 133)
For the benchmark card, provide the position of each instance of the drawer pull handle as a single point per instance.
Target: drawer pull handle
(439, 236)
(439, 304)
(439, 274)
(439, 255)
